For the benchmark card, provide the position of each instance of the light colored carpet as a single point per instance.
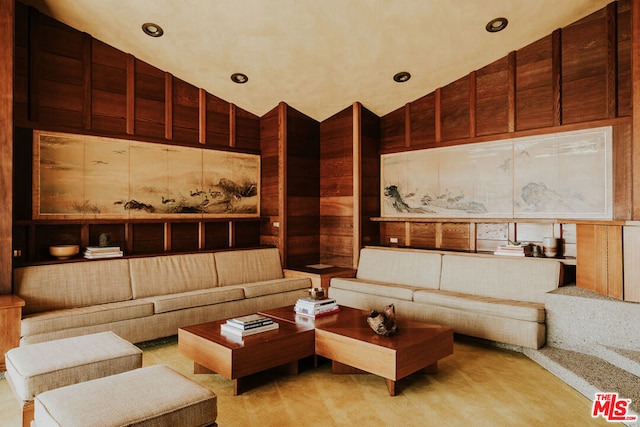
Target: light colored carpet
(476, 386)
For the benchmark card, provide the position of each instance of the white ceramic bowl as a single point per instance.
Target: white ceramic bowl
(64, 251)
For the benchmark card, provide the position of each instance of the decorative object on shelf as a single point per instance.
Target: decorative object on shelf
(104, 240)
(550, 247)
(383, 323)
(64, 251)
(316, 293)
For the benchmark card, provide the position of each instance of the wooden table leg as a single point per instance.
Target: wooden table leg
(391, 386)
(237, 386)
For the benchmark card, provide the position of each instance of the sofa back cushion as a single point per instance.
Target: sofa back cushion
(248, 266)
(172, 274)
(68, 285)
(518, 279)
(403, 267)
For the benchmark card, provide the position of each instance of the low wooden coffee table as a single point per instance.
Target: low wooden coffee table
(352, 346)
(236, 358)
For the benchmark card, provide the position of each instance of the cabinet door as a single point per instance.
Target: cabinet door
(631, 264)
(599, 259)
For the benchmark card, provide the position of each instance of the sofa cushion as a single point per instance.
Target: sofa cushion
(183, 300)
(40, 323)
(170, 274)
(248, 266)
(522, 310)
(371, 287)
(68, 285)
(403, 267)
(517, 279)
(276, 286)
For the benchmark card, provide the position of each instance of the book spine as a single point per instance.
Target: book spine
(250, 325)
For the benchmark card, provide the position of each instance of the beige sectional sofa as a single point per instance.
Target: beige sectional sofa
(150, 297)
(491, 297)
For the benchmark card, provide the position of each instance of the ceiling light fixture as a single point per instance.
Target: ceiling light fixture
(153, 30)
(402, 76)
(239, 78)
(496, 25)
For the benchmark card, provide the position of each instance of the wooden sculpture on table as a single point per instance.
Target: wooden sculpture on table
(383, 323)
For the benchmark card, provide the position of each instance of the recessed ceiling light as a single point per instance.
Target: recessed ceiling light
(496, 25)
(402, 76)
(153, 30)
(239, 78)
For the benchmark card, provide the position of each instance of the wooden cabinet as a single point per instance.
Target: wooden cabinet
(10, 315)
(631, 243)
(600, 259)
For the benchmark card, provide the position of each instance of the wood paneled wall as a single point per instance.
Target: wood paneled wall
(303, 189)
(6, 141)
(580, 74)
(67, 81)
(337, 232)
(577, 77)
(349, 184)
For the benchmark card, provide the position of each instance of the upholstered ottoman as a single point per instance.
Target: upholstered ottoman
(151, 396)
(35, 368)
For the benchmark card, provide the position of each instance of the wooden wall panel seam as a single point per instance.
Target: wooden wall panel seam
(202, 116)
(34, 65)
(357, 181)
(511, 97)
(473, 97)
(131, 95)
(612, 61)
(168, 106)
(86, 83)
(635, 82)
(556, 71)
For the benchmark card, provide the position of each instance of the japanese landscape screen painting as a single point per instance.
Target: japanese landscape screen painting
(561, 175)
(78, 176)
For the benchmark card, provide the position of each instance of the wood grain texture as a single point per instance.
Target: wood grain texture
(7, 8)
(631, 244)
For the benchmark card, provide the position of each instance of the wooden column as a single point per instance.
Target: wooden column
(7, 19)
(635, 85)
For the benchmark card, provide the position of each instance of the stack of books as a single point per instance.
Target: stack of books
(513, 250)
(316, 307)
(248, 325)
(94, 252)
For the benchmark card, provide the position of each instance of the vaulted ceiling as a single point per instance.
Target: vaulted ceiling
(318, 56)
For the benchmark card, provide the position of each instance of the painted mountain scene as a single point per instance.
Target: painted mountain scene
(559, 175)
(93, 177)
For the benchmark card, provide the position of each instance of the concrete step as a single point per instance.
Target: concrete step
(590, 374)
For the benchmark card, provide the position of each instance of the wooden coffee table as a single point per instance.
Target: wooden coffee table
(352, 346)
(236, 358)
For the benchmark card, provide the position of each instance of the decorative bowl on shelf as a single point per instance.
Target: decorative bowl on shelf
(64, 251)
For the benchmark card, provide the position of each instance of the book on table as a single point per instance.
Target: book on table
(310, 302)
(250, 321)
(227, 328)
(316, 308)
(306, 313)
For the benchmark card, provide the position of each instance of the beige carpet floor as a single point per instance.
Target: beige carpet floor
(476, 386)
